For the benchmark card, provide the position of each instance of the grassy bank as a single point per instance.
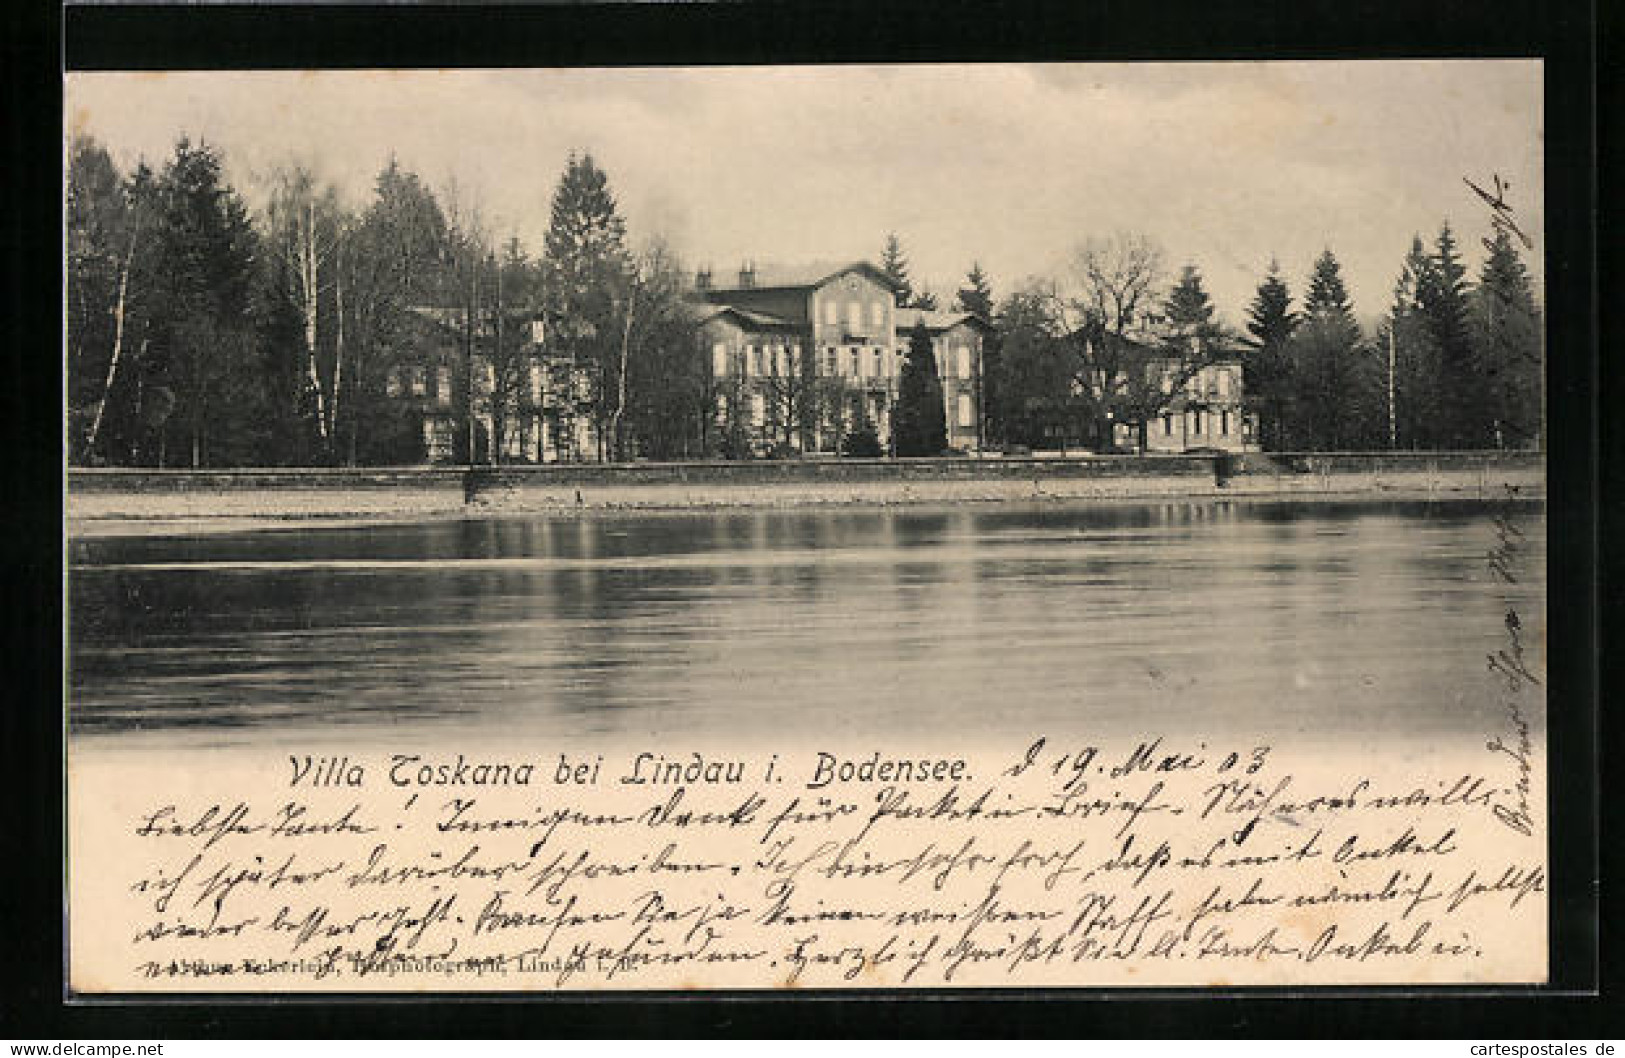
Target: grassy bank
(100, 501)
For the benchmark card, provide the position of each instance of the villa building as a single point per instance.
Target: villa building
(795, 364)
(798, 363)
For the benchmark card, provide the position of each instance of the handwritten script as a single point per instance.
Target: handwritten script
(1046, 862)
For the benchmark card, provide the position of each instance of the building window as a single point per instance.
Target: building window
(420, 382)
(879, 370)
(1224, 421)
(535, 382)
(758, 409)
(829, 362)
(1167, 426)
(964, 361)
(967, 416)
(442, 386)
(719, 359)
(857, 363)
(1224, 384)
(795, 358)
(830, 311)
(392, 382)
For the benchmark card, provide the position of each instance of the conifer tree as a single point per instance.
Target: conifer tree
(919, 423)
(976, 296)
(588, 271)
(1443, 300)
(895, 265)
(1507, 338)
(1327, 381)
(1266, 369)
(1188, 307)
(203, 351)
(1407, 338)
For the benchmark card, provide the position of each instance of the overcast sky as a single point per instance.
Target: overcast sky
(1224, 164)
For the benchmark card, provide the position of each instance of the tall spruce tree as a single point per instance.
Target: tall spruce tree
(1188, 308)
(204, 359)
(1408, 341)
(588, 281)
(1507, 339)
(919, 423)
(1464, 418)
(1266, 369)
(895, 265)
(976, 296)
(1327, 381)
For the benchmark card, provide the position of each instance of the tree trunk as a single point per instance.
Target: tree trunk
(338, 346)
(499, 388)
(620, 396)
(118, 337)
(306, 251)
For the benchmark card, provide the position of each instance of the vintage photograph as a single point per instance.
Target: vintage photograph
(539, 528)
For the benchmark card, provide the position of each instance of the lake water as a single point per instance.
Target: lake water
(1318, 618)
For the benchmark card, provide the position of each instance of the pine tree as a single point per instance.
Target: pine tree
(1266, 369)
(588, 270)
(1507, 338)
(204, 353)
(895, 265)
(1188, 308)
(1442, 298)
(919, 423)
(1328, 383)
(1270, 318)
(976, 296)
(1407, 337)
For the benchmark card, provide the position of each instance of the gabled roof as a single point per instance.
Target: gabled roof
(805, 278)
(702, 312)
(935, 320)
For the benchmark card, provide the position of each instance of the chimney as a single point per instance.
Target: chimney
(702, 279)
(747, 275)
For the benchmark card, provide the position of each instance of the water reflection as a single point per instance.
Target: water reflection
(1302, 617)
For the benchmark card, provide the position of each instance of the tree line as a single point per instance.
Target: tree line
(202, 333)
(1452, 364)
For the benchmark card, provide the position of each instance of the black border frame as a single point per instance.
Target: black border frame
(118, 36)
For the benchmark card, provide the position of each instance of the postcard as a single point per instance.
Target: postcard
(989, 526)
